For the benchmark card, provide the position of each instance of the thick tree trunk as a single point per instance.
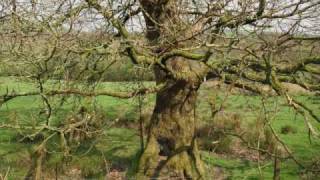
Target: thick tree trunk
(171, 148)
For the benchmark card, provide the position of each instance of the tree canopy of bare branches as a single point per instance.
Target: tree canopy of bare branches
(247, 43)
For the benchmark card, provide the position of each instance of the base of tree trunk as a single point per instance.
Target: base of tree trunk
(184, 163)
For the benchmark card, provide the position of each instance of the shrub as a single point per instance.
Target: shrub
(213, 136)
(84, 126)
(258, 134)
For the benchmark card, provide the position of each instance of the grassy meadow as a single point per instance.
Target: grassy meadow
(118, 145)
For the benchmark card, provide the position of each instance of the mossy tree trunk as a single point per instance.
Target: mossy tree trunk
(171, 148)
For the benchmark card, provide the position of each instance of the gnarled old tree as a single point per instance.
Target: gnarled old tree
(246, 43)
(176, 32)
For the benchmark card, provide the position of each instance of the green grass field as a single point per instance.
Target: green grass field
(119, 146)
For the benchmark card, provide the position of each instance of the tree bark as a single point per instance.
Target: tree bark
(171, 149)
